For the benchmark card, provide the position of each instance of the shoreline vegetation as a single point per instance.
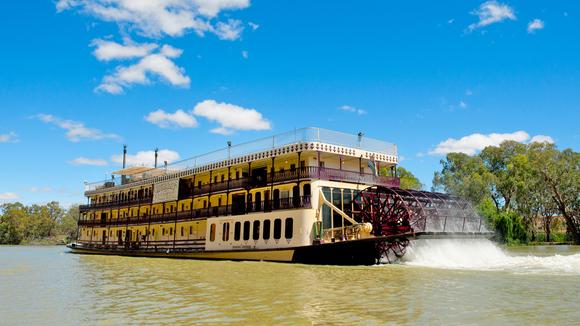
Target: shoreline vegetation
(529, 194)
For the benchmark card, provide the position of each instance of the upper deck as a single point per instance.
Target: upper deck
(299, 140)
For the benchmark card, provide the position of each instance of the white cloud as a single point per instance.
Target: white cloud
(491, 12)
(245, 54)
(153, 64)
(542, 139)
(254, 26)
(535, 25)
(76, 131)
(88, 161)
(348, 108)
(147, 158)
(462, 104)
(164, 119)
(231, 117)
(155, 18)
(8, 196)
(10, 137)
(230, 30)
(39, 189)
(474, 143)
(109, 50)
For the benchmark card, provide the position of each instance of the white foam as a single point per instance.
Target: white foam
(483, 254)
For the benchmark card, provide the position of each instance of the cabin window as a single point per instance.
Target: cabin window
(182, 231)
(226, 232)
(153, 232)
(237, 231)
(223, 177)
(212, 233)
(215, 179)
(288, 228)
(321, 164)
(266, 230)
(277, 228)
(190, 230)
(170, 231)
(256, 230)
(199, 184)
(247, 230)
(237, 174)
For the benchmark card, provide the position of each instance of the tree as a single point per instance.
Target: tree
(408, 179)
(560, 172)
(464, 176)
(502, 164)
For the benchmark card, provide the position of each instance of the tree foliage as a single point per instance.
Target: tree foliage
(408, 179)
(20, 223)
(523, 182)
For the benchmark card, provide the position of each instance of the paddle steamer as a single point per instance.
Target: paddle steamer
(310, 196)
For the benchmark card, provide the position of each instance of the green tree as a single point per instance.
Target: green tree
(560, 172)
(465, 176)
(408, 179)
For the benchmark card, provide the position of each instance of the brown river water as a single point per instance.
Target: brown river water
(447, 282)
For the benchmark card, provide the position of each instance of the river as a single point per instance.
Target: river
(439, 283)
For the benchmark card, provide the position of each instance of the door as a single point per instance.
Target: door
(276, 198)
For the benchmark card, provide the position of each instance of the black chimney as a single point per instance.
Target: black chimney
(156, 150)
(124, 155)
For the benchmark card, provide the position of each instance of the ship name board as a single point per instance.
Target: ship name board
(165, 191)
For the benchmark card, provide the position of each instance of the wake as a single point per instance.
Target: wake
(482, 254)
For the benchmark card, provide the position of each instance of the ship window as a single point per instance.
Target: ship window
(321, 164)
(226, 232)
(256, 229)
(288, 228)
(247, 230)
(277, 228)
(153, 232)
(237, 229)
(266, 231)
(237, 174)
(190, 230)
(170, 231)
(182, 231)
(223, 177)
(212, 233)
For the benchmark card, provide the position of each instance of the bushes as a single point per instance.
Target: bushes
(508, 225)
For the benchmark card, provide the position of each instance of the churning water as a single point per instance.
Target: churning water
(482, 254)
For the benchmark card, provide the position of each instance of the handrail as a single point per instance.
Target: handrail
(305, 173)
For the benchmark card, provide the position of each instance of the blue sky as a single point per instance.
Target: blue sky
(80, 78)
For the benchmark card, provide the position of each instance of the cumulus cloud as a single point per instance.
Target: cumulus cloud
(491, 12)
(75, 130)
(474, 143)
(9, 196)
(535, 25)
(231, 117)
(10, 137)
(245, 54)
(348, 108)
(179, 119)
(158, 64)
(147, 158)
(156, 18)
(109, 50)
(88, 161)
(542, 139)
(230, 30)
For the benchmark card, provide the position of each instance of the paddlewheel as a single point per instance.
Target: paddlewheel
(397, 215)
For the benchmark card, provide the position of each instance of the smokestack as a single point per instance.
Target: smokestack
(156, 150)
(124, 155)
